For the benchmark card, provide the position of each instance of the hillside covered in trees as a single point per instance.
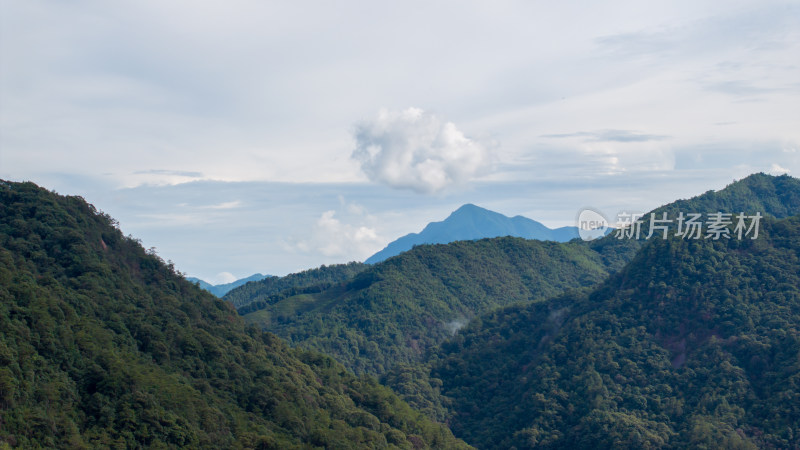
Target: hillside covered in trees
(695, 344)
(103, 344)
(393, 312)
(258, 294)
(614, 343)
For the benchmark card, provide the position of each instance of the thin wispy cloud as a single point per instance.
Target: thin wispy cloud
(609, 136)
(224, 205)
(179, 173)
(740, 88)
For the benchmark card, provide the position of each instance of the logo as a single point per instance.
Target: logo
(591, 223)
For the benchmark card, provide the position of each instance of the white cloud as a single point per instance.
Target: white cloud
(224, 278)
(651, 101)
(333, 238)
(122, 87)
(412, 149)
(224, 205)
(776, 169)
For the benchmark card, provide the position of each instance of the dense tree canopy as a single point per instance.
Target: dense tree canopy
(613, 343)
(393, 312)
(102, 344)
(259, 294)
(693, 344)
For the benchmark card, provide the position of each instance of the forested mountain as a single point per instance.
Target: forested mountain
(394, 311)
(773, 196)
(270, 289)
(104, 345)
(221, 289)
(694, 344)
(470, 222)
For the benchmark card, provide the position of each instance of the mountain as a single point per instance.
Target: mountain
(694, 344)
(776, 196)
(204, 285)
(394, 311)
(255, 295)
(103, 344)
(471, 222)
(577, 370)
(221, 289)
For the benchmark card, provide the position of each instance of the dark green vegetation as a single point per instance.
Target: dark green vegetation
(257, 295)
(103, 345)
(609, 344)
(694, 344)
(385, 319)
(396, 310)
(393, 312)
(774, 196)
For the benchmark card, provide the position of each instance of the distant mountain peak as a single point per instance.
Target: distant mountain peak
(471, 210)
(221, 289)
(471, 222)
(469, 207)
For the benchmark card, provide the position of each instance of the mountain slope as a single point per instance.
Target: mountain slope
(776, 196)
(394, 311)
(693, 344)
(104, 345)
(471, 222)
(220, 290)
(254, 296)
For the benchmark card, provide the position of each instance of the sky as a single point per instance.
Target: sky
(258, 136)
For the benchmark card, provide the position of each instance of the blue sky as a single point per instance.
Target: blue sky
(252, 136)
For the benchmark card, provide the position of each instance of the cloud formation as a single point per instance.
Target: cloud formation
(334, 238)
(224, 278)
(413, 149)
(609, 136)
(776, 169)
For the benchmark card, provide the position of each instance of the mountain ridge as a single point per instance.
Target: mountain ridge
(481, 381)
(693, 344)
(220, 290)
(470, 222)
(394, 311)
(253, 296)
(105, 345)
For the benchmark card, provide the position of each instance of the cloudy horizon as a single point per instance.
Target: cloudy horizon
(246, 136)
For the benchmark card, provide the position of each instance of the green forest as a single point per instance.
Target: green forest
(499, 343)
(103, 344)
(695, 344)
(462, 389)
(258, 295)
(395, 311)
